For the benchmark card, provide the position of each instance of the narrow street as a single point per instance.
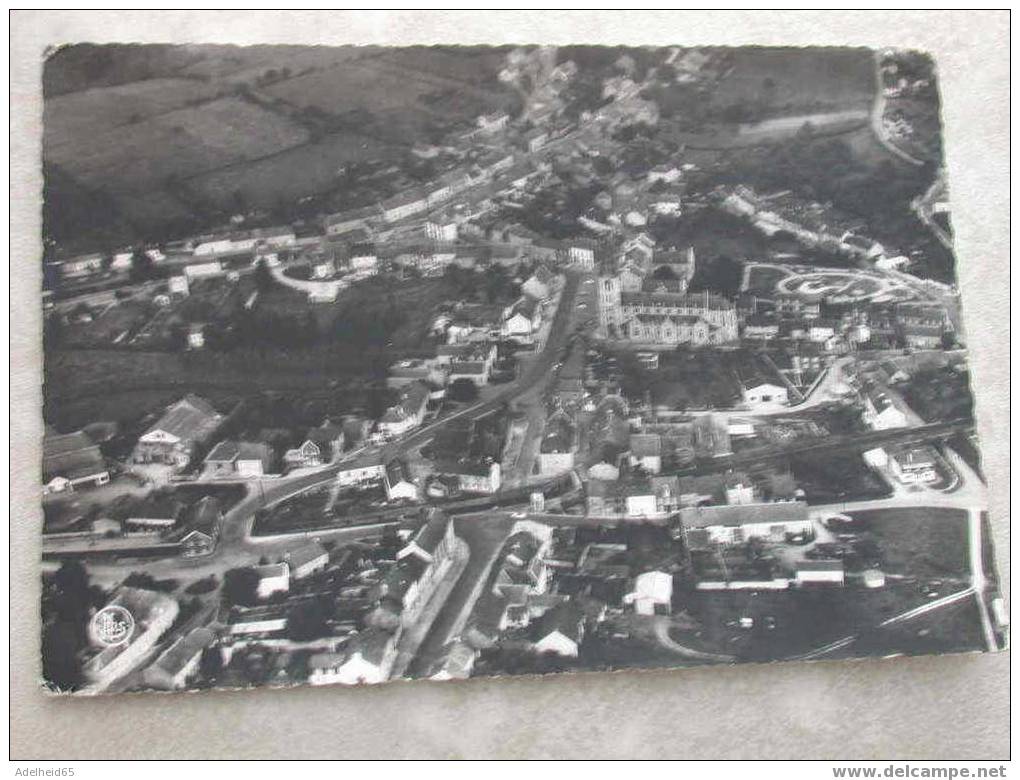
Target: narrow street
(484, 535)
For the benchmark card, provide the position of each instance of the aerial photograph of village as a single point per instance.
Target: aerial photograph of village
(374, 363)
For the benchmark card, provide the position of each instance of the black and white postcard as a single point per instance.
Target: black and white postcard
(365, 363)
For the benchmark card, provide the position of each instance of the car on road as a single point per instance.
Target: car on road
(518, 515)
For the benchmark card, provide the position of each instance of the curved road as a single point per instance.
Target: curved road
(236, 547)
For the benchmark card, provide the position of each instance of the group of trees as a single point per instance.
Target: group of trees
(496, 285)
(240, 587)
(67, 602)
(463, 390)
(554, 210)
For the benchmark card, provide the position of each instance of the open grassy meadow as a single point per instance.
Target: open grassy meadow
(175, 139)
(798, 79)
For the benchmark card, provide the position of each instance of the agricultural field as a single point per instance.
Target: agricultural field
(395, 101)
(267, 182)
(175, 139)
(796, 80)
(67, 119)
(801, 619)
(919, 542)
(190, 140)
(955, 628)
(115, 324)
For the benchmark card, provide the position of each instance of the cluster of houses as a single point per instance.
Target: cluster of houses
(390, 599)
(376, 603)
(810, 223)
(552, 586)
(470, 352)
(202, 254)
(827, 328)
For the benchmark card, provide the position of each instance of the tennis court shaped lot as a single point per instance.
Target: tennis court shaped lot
(815, 283)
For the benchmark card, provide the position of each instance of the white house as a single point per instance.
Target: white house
(77, 267)
(881, 414)
(244, 458)
(398, 483)
(358, 474)
(122, 261)
(735, 524)
(740, 494)
(196, 335)
(877, 458)
(364, 261)
(273, 578)
(819, 572)
(665, 173)
(635, 219)
(560, 630)
(653, 591)
(323, 269)
(173, 438)
(523, 318)
(277, 237)
(203, 270)
(259, 620)
(490, 123)
(213, 247)
(886, 263)
(408, 413)
(367, 658)
(765, 394)
(642, 505)
(178, 285)
(914, 466)
(667, 206)
(72, 460)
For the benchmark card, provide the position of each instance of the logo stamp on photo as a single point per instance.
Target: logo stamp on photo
(111, 626)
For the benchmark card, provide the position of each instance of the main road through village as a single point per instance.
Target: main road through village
(237, 547)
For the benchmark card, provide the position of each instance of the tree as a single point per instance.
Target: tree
(210, 665)
(307, 621)
(60, 660)
(204, 585)
(240, 587)
(141, 266)
(263, 276)
(66, 608)
(462, 390)
(142, 580)
(602, 165)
